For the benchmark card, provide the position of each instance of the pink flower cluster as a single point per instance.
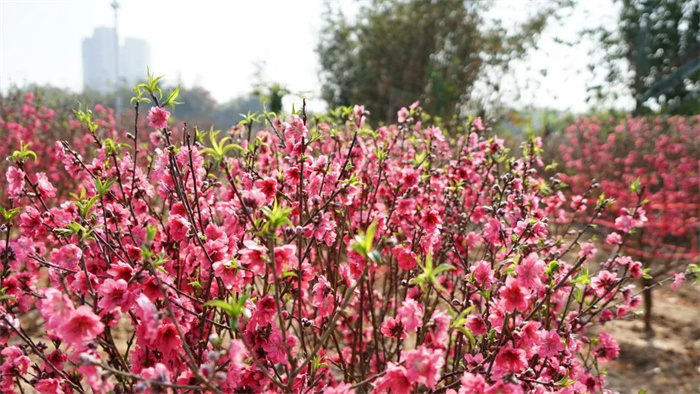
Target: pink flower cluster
(316, 256)
(662, 154)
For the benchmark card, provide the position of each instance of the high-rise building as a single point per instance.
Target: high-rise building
(135, 58)
(100, 61)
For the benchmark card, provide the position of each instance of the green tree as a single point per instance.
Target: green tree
(398, 51)
(653, 55)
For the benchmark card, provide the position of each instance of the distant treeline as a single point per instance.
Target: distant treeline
(198, 106)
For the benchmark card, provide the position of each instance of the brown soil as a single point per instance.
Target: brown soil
(670, 362)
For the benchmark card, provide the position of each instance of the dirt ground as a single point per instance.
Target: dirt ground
(670, 363)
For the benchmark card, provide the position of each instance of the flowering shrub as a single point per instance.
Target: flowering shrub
(318, 258)
(25, 122)
(660, 158)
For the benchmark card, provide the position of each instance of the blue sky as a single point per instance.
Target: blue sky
(216, 44)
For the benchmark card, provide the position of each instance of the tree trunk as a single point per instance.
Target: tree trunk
(648, 330)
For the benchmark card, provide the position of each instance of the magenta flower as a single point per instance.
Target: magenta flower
(394, 381)
(402, 114)
(406, 258)
(476, 325)
(423, 366)
(483, 274)
(613, 239)
(473, 384)
(411, 315)
(82, 326)
(678, 280)
(15, 181)
(608, 348)
(46, 189)
(393, 328)
(115, 294)
(530, 271)
(510, 359)
(158, 117)
(551, 344)
(492, 232)
(602, 282)
(514, 296)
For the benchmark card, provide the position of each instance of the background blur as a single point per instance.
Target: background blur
(528, 66)
(512, 57)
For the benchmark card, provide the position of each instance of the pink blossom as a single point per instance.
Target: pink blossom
(67, 257)
(514, 296)
(285, 257)
(179, 227)
(431, 221)
(252, 256)
(678, 280)
(158, 372)
(116, 294)
(476, 324)
(402, 114)
(608, 348)
(393, 328)
(473, 384)
(358, 113)
(510, 359)
(530, 271)
(168, 340)
(46, 189)
(624, 223)
(492, 232)
(15, 181)
(423, 366)
(578, 203)
(158, 117)
(613, 239)
(411, 315)
(405, 257)
(82, 326)
(551, 344)
(478, 124)
(602, 282)
(588, 250)
(55, 308)
(483, 274)
(635, 269)
(323, 297)
(49, 386)
(146, 312)
(236, 354)
(394, 381)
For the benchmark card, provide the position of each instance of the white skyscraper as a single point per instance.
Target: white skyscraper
(135, 58)
(99, 61)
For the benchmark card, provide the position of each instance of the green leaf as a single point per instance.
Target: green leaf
(170, 101)
(636, 186)
(565, 381)
(363, 242)
(228, 308)
(276, 217)
(442, 268)
(23, 153)
(8, 215)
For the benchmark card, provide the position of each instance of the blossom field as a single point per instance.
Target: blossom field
(321, 254)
